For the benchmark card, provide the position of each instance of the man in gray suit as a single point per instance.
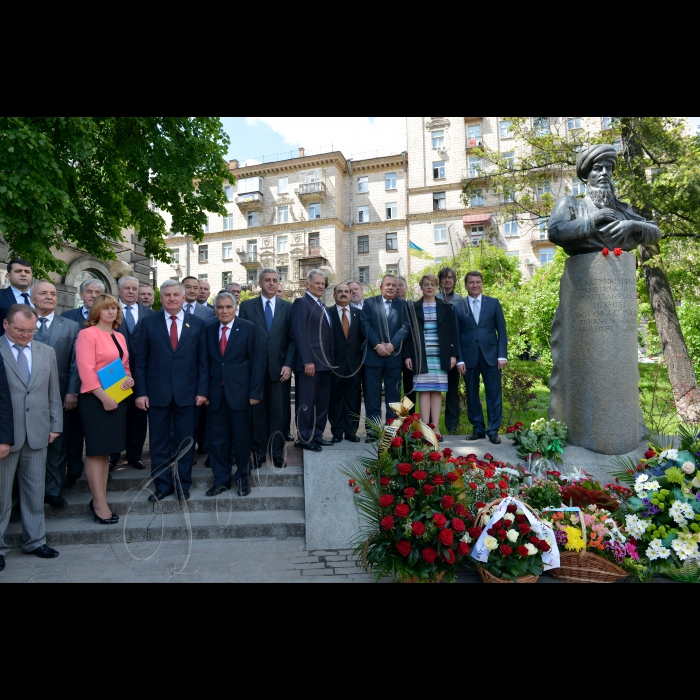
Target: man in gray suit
(60, 334)
(32, 375)
(192, 305)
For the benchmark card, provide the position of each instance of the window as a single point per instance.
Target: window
(281, 245)
(390, 181)
(314, 212)
(474, 138)
(574, 123)
(362, 215)
(392, 212)
(203, 278)
(440, 201)
(283, 274)
(477, 235)
(546, 256)
(363, 244)
(252, 278)
(438, 140)
(282, 185)
(203, 253)
(175, 255)
(252, 219)
(227, 252)
(578, 188)
(250, 185)
(506, 129)
(228, 222)
(544, 189)
(362, 185)
(515, 255)
(205, 227)
(609, 122)
(315, 242)
(313, 176)
(441, 233)
(508, 197)
(363, 276)
(283, 215)
(154, 263)
(229, 193)
(475, 166)
(439, 170)
(392, 270)
(543, 227)
(252, 251)
(540, 126)
(510, 229)
(392, 242)
(509, 160)
(226, 279)
(478, 198)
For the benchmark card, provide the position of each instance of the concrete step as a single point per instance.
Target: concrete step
(153, 528)
(272, 498)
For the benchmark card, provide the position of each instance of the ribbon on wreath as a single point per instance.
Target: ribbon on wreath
(403, 411)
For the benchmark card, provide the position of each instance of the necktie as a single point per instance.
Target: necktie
(387, 308)
(224, 340)
(23, 364)
(477, 311)
(173, 332)
(130, 323)
(188, 308)
(43, 335)
(269, 317)
(323, 309)
(25, 296)
(346, 324)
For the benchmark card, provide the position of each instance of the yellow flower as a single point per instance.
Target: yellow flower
(576, 542)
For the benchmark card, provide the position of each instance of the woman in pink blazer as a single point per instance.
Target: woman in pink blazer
(104, 420)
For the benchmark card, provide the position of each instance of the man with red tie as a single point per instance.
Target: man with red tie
(172, 381)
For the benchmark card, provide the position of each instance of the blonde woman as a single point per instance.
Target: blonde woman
(431, 351)
(104, 420)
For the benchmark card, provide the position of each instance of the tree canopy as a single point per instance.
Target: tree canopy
(83, 180)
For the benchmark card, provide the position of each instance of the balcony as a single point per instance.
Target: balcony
(474, 143)
(540, 238)
(315, 191)
(249, 260)
(314, 253)
(250, 201)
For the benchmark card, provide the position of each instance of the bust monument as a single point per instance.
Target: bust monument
(595, 380)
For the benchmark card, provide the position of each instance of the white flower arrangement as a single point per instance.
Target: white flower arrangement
(658, 551)
(636, 527)
(682, 513)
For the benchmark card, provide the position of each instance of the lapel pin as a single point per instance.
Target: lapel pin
(187, 325)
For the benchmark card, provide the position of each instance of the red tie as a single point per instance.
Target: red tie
(224, 340)
(173, 332)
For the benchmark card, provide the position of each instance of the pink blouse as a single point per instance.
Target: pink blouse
(95, 350)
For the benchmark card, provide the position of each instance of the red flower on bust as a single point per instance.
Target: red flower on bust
(406, 428)
(385, 481)
(439, 520)
(452, 477)
(404, 548)
(417, 456)
(606, 252)
(504, 494)
(417, 435)
(447, 538)
(525, 529)
(418, 529)
(447, 453)
(448, 503)
(428, 490)
(472, 458)
(460, 510)
(386, 501)
(438, 480)
(512, 509)
(459, 471)
(480, 506)
(434, 457)
(409, 493)
(618, 252)
(432, 427)
(429, 556)
(522, 552)
(405, 469)
(388, 523)
(390, 421)
(420, 475)
(449, 557)
(352, 483)
(463, 549)
(544, 547)
(397, 442)
(402, 512)
(458, 526)
(535, 541)
(491, 532)
(506, 551)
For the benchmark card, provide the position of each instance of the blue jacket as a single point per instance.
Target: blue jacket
(7, 299)
(378, 329)
(489, 337)
(164, 375)
(236, 377)
(75, 315)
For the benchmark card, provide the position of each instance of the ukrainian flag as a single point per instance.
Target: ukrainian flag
(417, 252)
(111, 378)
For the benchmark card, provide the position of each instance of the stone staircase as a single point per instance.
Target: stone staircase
(274, 510)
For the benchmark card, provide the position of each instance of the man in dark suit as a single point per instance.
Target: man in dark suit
(192, 305)
(146, 296)
(20, 274)
(483, 350)
(236, 367)
(172, 382)
(272, 318)
(88, 292)
(60, 334)
(313, 336)
(346, 387)
(204, 294)
(385, 323)
(136, 421)
(7, 424)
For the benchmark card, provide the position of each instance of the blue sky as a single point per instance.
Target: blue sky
(253, 137)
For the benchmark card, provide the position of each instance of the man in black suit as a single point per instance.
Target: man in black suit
(89, 291)
(172, 381)
(7, 424)
(136, 421)
(20, 273)
(60, 334)
(483, 349)
(272, 318)
(346, 388)
(313, 336)
(385, 323)
(236, 366)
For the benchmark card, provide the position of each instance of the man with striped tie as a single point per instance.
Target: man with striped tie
(20, 274)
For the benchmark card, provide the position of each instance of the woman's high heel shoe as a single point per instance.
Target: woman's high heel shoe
(112, 521)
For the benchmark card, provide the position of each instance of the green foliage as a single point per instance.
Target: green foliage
(83, 180)
(689, 316)
(157, 305)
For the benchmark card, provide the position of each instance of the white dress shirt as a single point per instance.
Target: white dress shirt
(180, 321)
(189, 310)
(18, 296)
(134, 310)
(27, 353)
(349, 314)
(320, 303)
(273, 304)
(228, 333)
(387, 306)
(358, 306)
(86, 312)
(49, 321)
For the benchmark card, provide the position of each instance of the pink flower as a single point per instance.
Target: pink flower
(632, 551)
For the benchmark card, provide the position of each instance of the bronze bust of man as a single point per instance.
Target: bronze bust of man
(599, 220)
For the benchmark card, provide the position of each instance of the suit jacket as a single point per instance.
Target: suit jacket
(7, 299)
(75, 315)
(132, 339)
(312, 335)
(447, 336)
(379, 329)
(37, 408)
(348, 352)
(236, 377)
(489, 336)
(203, 312)
(163, 374)
(7, 421)
(62, 336)
(277, 346)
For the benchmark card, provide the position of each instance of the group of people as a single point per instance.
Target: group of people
(217, 377)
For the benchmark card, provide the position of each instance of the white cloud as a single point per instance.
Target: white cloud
(351, 135)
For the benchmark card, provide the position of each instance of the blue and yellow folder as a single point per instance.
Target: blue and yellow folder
(112, 377)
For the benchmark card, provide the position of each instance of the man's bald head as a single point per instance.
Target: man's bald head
(44, 297)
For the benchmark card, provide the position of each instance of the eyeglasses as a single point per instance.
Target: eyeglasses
(19, 331)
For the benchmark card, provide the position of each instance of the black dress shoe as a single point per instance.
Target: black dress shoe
(243, 488)
(259, 462)
(183, 496)
(2, 564)
(280, 463)
(474, 438)
(160, 495)
(324, 443)
(218, 490)
(137, 464)
(337, 440)
(353, 438)
(112, 465)
(202, 450)
(495, 440)
(311, 447)
(55, 501)
(44, 552)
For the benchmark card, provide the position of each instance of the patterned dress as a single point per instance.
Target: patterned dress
(436, 379)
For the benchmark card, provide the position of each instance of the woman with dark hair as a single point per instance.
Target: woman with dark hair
(104, 420)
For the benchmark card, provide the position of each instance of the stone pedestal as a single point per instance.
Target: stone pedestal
(595, 382)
